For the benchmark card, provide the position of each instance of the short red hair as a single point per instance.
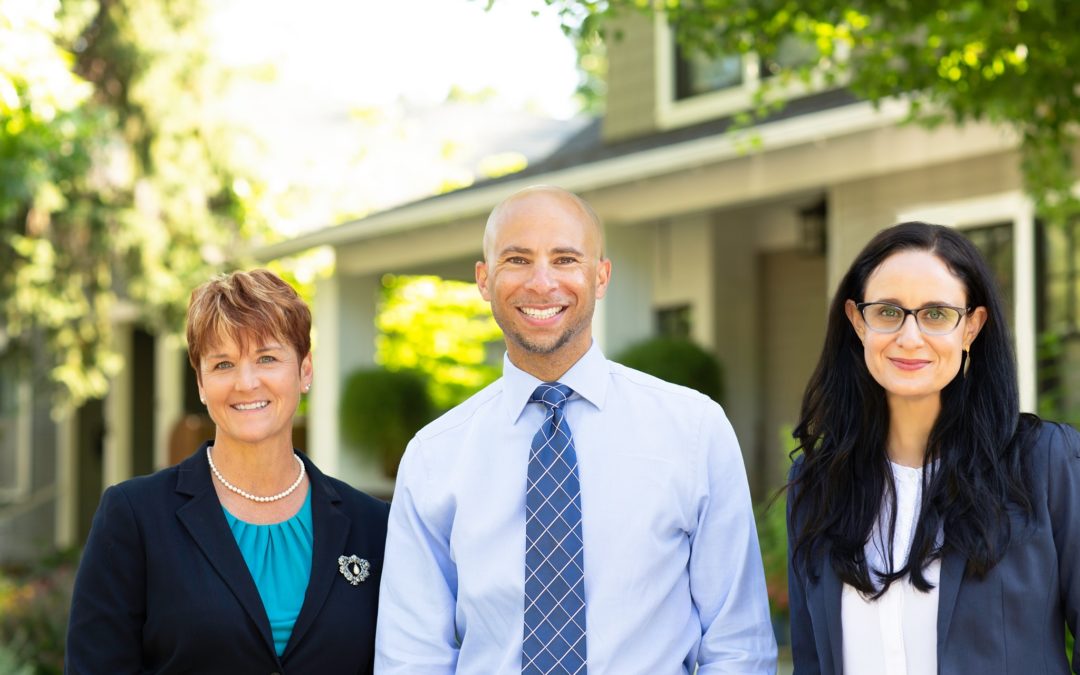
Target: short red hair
(246, 306)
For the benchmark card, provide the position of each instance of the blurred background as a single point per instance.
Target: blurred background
(740, 153)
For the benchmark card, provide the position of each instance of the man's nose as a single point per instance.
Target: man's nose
(542, 278)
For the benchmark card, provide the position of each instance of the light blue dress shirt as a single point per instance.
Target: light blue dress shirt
(673, 573)
(279, 559)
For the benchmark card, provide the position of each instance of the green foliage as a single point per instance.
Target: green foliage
(34, 606)
(382, 409)
(676, 360)
(1012, 63)
(114, 186)
(439, 328)
(771, 518)
(10, 663)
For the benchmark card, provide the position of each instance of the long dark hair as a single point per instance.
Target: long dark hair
(844, 475)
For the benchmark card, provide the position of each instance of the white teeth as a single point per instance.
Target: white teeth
(251, 406)
(541, 313)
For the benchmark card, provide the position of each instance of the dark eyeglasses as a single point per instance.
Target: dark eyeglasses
(885, 317)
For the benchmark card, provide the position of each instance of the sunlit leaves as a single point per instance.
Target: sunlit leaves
(114, 188)
(1015, 63)
(438, 327)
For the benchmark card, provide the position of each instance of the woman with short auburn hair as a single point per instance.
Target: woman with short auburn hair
(244, 557)
(933, 527)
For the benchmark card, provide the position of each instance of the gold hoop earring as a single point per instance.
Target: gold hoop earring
(967, 361)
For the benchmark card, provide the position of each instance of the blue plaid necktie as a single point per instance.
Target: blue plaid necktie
(554, 639)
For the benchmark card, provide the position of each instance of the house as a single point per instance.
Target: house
(739, 250)
(53, 471)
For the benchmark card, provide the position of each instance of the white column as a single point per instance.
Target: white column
(625, 315)
(116, 465)
(169, 363)
(324, 439)
(1024, 316)
(599, 325)
(357, 306)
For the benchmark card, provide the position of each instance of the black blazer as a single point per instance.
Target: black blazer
(162, 586)
(1012, 621)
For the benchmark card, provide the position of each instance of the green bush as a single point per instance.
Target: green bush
(382, 409)
(34, 605)
(679, 361)
(771, 518)
(11, 665)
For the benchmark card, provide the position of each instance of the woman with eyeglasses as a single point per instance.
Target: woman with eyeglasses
(933, 527)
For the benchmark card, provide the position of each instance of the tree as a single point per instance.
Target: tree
(1012, 63)
(114, 188)
(439, 328)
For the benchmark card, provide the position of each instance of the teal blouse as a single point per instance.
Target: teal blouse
(279, 559)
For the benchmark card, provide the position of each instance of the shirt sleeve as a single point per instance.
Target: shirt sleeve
(108, 605)
(415, 632)
(1063, 495)
(727, 580)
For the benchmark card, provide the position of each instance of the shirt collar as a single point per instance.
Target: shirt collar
(588, 378)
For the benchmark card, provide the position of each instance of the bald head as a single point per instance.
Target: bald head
(537, 195)
(543, 271)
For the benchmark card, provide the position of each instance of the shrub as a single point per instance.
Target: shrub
(679, 361)
(34, 606)
(771, 517)
(382, 409)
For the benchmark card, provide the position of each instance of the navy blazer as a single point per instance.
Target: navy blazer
(162, 586)
(1012, 622)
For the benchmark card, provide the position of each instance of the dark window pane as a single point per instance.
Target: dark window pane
(1057, 314)
(790, 53)
(698, 73)
(996, 244)
(674, 322)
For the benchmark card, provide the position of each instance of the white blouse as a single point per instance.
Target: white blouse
(897, 633)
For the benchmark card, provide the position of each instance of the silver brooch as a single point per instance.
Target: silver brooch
(354, 569)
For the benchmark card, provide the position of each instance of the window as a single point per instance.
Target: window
(697, 73)
(694, 86)
(996, 244)
(674, 322)
(1058, 321)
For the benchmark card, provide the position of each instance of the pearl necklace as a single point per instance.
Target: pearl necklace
(247, 495)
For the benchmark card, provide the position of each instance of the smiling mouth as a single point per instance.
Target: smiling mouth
(251, 406)
(909, 364)
(533, 313)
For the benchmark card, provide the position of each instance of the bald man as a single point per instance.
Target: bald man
(576, 515)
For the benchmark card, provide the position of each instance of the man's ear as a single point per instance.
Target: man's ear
(603, 276)
(482, 279)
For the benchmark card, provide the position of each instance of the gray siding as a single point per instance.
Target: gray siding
(631, 97)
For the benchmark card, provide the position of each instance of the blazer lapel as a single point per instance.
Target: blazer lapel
(952, 573)
(832, 589)
(205, 521)
(330, 531)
